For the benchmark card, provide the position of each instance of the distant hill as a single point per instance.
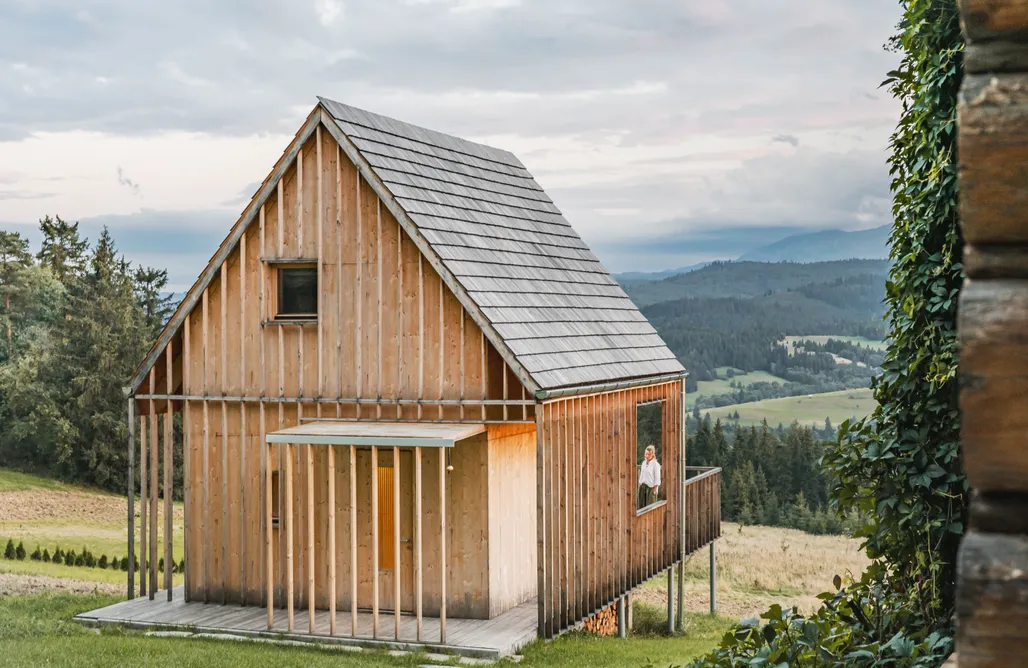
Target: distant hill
(629, 276)
(825, 246)
(748, 279)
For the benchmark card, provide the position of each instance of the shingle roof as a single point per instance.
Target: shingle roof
(556, 308)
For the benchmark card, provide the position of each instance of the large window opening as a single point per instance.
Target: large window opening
(649, 456)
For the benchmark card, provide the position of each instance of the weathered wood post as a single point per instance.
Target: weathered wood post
(992, 594)
(131, 495)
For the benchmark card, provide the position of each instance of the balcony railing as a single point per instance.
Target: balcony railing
(702, 507)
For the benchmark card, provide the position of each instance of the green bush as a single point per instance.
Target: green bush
(102, 561)
(19, 552)
(9, 550)
(36, 555)
(58, 558)
(46, 556)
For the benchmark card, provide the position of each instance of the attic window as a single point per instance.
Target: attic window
(297, 293)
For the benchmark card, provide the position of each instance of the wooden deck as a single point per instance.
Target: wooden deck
(486, 638)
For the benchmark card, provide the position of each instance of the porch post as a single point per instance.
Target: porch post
(622, 631)
(270, 553)
(131, 496)
(671, 600)
(713, 580)
(682, 519)
(443, 566)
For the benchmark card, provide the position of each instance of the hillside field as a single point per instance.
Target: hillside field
(709, 388)
(805, 409)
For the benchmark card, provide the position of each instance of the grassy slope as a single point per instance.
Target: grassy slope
(838, 406)
(44, 512)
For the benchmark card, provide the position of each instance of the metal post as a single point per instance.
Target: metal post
(713, 580)
(621, 618)
(131, 496)
(682, 519)
(671, 600)
(680, 613)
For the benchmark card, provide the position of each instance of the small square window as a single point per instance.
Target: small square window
(297, 293)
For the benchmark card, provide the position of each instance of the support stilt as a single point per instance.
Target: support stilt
(713, 580)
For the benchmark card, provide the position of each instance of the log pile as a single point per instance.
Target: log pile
(604, 622)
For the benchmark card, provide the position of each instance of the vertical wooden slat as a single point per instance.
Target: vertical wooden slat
(320, 221)
(311, 593)
(168, 449)
(419, 557)
(187, 475)
(269, 552)
(378, 323)
(542, 595)
(397, 570)
(154, 456)
(243, 445)
(442, 348)
(287, 518)
(482, 376)
(400, 361)
(144, 466)
(262, 384)
(339, 270)
(299, 206)
(358, 305)
(223, 338)
(332, 593)
(353, 540)
(444, 566)
(421, 346)
(462, 369)
(131, 493)
(374, 540)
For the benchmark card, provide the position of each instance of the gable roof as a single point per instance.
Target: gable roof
(542, 298)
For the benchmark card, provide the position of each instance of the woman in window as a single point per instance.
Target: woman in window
(649, 478)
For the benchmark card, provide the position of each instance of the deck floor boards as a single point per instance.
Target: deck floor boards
(500, 636)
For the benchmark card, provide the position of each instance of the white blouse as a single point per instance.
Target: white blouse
(649, 473)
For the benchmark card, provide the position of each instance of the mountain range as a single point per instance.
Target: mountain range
(822, 246)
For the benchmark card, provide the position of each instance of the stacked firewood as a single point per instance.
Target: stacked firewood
(603, 623)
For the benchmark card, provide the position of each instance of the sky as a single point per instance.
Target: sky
(669, 132)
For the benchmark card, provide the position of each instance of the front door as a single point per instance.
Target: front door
(390, 573)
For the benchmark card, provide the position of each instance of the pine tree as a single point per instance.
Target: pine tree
(150, 284)
(19, 552)
(62, 249)
(9, 550)
(14, 255)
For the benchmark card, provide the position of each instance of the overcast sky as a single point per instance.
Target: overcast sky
(668, 131)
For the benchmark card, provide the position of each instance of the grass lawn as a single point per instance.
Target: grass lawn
(37, 630)
(708, 388)
(804, 409)
(867, 343)
(14, 481)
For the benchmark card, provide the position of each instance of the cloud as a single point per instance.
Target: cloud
(127, 182)
(791, 140)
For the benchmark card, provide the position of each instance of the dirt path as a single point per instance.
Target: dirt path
(11, 584)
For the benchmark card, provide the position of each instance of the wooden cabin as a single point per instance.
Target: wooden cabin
(411, 396)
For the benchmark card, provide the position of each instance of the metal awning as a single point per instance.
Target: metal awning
(392, 434)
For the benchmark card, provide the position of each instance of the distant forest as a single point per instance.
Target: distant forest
(734, 314)
(75, 319)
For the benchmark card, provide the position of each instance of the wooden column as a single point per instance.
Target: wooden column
(396, 541)
(418, 555)
(131, 496)
(353, 541)
(311, 584)
(332, 540)
(144, 463)
(169, 564)
(269, 552)
(374, 541)
(154, 455)
(444, 566)
(992, 590)
(287, 519)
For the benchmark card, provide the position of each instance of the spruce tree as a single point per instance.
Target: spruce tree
(150, 284)
(62, 249)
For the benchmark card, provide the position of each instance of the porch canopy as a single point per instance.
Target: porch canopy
(382, 434)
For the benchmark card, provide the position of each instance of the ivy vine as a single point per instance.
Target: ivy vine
(901, 466)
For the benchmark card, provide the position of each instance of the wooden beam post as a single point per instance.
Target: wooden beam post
(443, 564)
(154, 456)
(269, 552)
(418, 555)
(353, 541)
(131, 496)
(374, 540)
(169, 435)
(288, 520)
(332, 540)
(681, 508)
(187, 489)
(311, 594)
(396, 540)
(144, 464)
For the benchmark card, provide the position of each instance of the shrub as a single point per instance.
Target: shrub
(19, 552)
(80, 560)
(36, 555)
(46, 556)
(160, 565)
(114, 564)
(87, 558)
(9, 550)
(182, 565)
(58, 558)
(102, 561)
